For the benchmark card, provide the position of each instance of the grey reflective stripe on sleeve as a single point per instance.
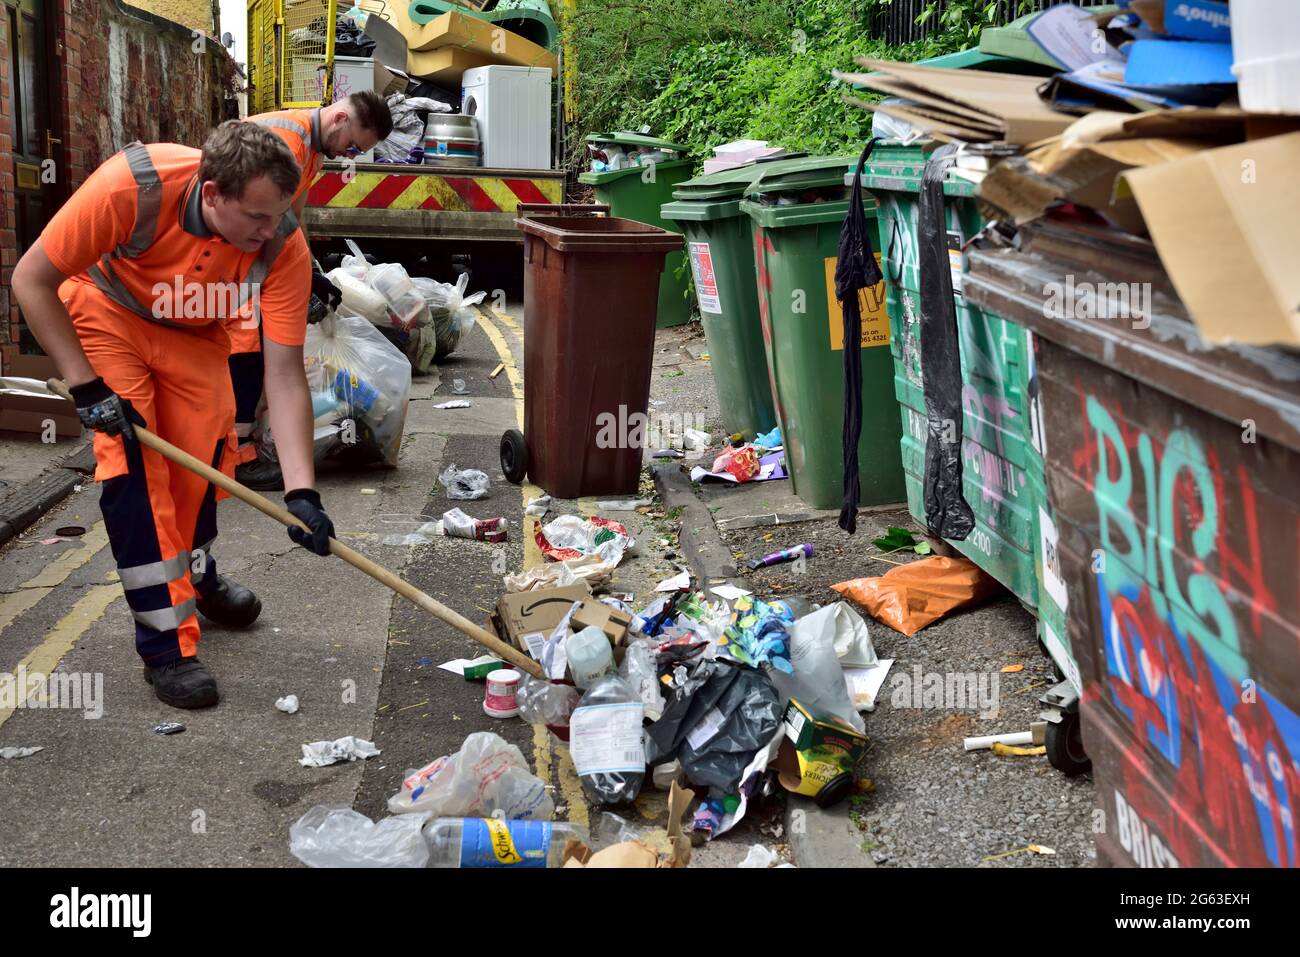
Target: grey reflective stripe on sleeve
(166, 619)
(257, 274)
(154, 573)
(148, 200)
(281, 124)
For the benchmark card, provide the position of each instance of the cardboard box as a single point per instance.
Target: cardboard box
(975, 104)
(446, 65)
(470, 33)
(817, 751)
(596, 614)
(528, 618)
(1243, 286)
(27, 406)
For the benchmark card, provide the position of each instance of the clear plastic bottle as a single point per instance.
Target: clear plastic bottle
(590, 655)
(489, 842)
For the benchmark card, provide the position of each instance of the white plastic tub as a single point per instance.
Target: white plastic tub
(1266, 54)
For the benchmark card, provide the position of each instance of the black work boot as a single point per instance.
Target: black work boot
(229, 604)
(260, 475)
(184, 683)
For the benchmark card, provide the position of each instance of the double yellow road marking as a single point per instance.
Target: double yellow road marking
(87, 610)
(544, 757)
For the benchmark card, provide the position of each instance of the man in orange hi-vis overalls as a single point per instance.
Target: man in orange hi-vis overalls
(128, 289)
(357, 122)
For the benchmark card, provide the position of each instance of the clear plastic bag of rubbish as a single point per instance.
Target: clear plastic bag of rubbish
(450, 310)
(818, 677)
(464, 484)
(641, 671)
(544, 702)
(487, 777)
(407, 309)
(358, 297)
(342, 837)
(606, 741)
(360, 386)
(356, 264)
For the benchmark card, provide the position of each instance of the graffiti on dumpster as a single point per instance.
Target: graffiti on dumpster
(1184, 596)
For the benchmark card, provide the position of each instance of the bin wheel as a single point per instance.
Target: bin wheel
(514, 456)
(1064, 743)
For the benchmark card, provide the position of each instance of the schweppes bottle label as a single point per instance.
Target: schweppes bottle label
(489, 842)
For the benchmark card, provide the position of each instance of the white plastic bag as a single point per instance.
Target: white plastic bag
(487, 777)
(464, 484)
(342, 837)
(355, 265)
(348, 358)
(818, 678)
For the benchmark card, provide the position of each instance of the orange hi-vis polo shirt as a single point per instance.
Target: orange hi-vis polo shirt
(135, 231)
(300, 130)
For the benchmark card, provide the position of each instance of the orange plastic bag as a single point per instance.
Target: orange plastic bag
(911, 596)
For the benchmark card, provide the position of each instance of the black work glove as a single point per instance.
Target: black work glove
(324, 290)
(305, 505)
(103, 410)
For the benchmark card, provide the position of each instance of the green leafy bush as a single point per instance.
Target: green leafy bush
(704, 72)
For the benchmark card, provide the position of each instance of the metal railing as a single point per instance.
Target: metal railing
(896, 22)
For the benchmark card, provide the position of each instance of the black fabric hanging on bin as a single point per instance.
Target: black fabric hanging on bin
(855, 269)
(946, 510)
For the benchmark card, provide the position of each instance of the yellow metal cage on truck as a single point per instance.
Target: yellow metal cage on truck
(291, 66)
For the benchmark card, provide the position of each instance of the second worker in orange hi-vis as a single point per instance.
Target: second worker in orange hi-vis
(355, 123)
(128, 290)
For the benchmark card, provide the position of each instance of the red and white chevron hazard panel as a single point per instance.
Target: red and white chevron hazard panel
(430, 190)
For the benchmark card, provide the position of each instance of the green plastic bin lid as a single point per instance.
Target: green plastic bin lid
(804, 214)
(591, 178)
(808, 172)
(700, 211)
(979, 59)
(724, 184)
(636, 139)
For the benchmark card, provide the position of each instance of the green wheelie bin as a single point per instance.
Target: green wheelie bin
(721, 249)
(637, 193)
(796, 212)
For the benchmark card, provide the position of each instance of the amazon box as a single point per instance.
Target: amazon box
(527, 618)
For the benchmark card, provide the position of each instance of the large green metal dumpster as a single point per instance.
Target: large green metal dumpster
(1003, 473)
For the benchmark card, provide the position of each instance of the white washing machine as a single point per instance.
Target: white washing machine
(513, 107)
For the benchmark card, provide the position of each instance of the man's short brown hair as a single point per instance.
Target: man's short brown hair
(371, 111)
(237, 152)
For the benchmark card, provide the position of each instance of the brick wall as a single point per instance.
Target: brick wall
(126, 75)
